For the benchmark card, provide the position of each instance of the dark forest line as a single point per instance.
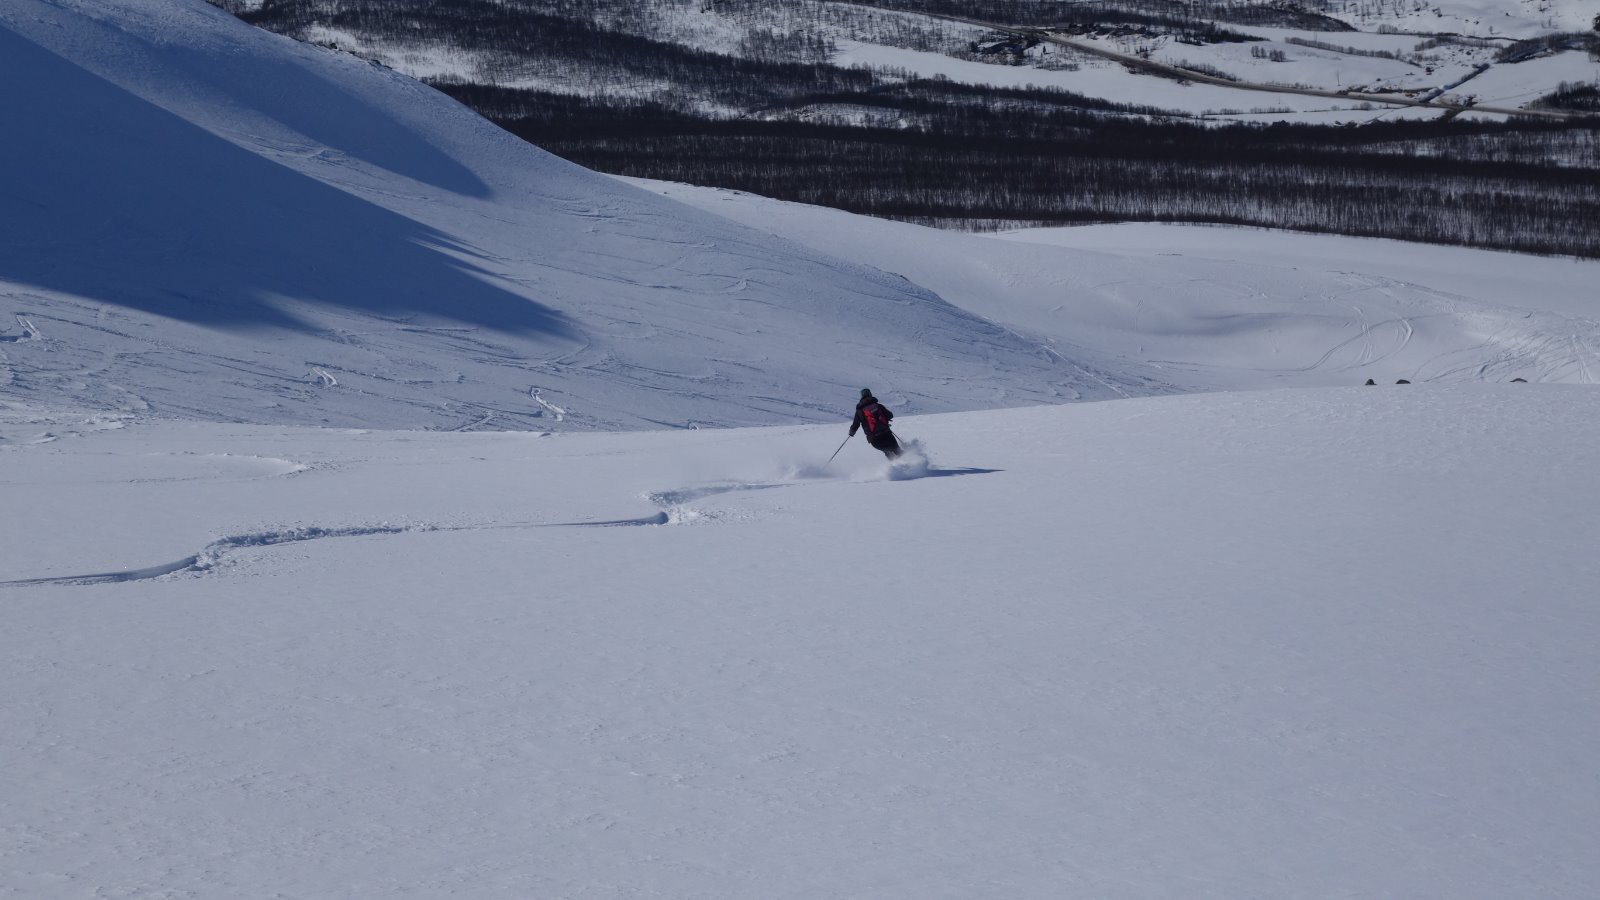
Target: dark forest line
(1444, 183)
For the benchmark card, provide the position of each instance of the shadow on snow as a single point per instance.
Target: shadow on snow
(114, 199)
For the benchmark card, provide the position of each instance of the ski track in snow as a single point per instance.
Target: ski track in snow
(676, 509)
(13, 429)
(215, 552)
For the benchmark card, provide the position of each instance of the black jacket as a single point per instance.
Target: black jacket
(861, 420)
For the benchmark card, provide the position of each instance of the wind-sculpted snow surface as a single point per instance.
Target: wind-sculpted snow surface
(280, 233)
(1269, 644)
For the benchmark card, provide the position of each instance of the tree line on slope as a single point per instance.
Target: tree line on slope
(1527, 188)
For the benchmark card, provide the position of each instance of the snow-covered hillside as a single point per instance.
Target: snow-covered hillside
(1254, 645)
(282, 234)
(207, 220)
(1304, 642)
(1446, 51)
(1186, 308)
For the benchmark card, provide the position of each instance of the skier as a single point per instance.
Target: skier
(874, 417)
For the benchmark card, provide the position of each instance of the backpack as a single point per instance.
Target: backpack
(876, 418)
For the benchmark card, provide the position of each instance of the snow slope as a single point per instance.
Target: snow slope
(1267, 644)
(1184, 308)
(1333, 642)
(193, 201)
(280, 234)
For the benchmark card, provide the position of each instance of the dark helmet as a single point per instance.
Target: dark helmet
(866, 392)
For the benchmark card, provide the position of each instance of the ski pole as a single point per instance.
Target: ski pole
(841, 447)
